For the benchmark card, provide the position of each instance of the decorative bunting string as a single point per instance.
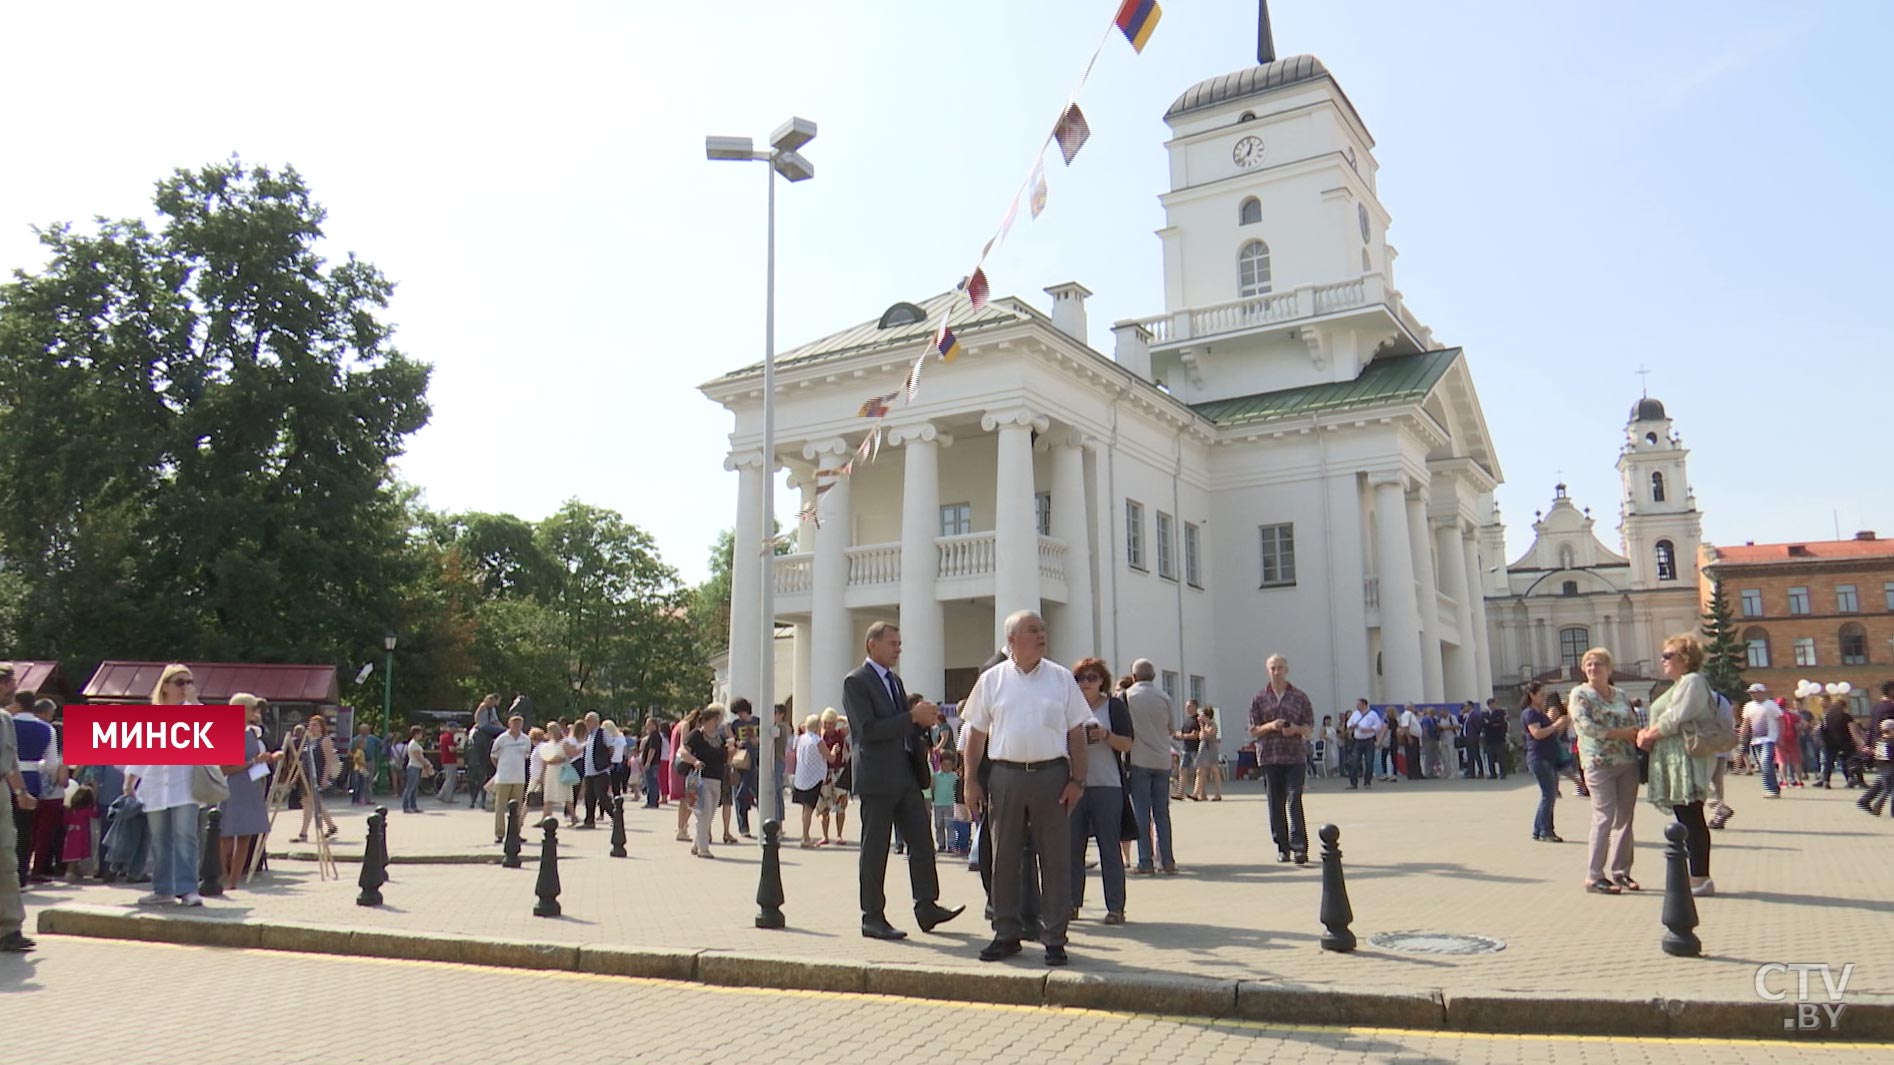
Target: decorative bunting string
(1135, 19)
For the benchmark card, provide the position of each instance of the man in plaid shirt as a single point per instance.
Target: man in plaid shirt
(1281, 720)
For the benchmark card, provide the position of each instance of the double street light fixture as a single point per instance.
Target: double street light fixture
(783, 158)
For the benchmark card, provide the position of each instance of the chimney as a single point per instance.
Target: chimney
(1133, 350)
(1068, 309)
(1868, 535)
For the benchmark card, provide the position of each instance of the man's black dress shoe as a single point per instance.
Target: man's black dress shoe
(999, 948)
(934, 914)
(879, 928)
(1056, 956)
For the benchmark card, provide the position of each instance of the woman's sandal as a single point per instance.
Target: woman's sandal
(1603, 887)
(1626, 883)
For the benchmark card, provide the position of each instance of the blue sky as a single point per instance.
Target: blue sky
(1578, 190)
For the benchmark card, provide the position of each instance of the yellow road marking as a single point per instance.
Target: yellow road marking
(1238, 1024)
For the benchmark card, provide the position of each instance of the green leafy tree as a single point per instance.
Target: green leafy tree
(1724, 655)
(196, 431)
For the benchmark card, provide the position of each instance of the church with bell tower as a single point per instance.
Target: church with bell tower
(1570, 592)
(1282, 458)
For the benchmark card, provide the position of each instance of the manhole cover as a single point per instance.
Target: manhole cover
(1437, 943)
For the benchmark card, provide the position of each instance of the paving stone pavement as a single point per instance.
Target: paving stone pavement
(429, 1012)
(1800, 879)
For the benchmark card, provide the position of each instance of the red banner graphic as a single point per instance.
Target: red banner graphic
(154, 735)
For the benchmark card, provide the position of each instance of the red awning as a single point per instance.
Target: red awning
(132, 682)
(36, 676)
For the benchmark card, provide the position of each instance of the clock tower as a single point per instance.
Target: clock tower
(1661, 526)
(1277, 268)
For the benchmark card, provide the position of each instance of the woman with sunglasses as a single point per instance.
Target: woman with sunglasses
(170, 811)
(1680, 781)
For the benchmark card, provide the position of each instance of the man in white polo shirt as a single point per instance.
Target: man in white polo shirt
(1763, 715)
(1027, 715)
(510, 752)
(1363, 726)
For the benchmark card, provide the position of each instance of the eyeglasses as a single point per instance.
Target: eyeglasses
(1095, 678)
(182, 682)
(1669, 655)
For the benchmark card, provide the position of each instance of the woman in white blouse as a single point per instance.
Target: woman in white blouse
(170, 812)
(549, 760)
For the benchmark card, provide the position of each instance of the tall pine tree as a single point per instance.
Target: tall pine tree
(1724, 655)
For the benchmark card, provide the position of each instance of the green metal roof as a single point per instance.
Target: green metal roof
(867, 336)
(1405, 378)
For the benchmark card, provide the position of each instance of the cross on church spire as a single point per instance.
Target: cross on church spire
(1265, 40)
(1644, 382)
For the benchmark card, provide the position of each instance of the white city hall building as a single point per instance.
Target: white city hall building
(1282, 461)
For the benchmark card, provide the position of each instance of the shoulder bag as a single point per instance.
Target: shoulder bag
(209, 786)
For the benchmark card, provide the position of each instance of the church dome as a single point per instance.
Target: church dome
(1252, 82)
(1647, 410)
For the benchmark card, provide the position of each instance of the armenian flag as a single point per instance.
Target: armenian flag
(947, 344)
(1136, 19)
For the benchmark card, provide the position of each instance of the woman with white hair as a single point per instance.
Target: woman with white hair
(246, 817)
(707, 753)
(170, 810)
(841, 771)
(812, 771)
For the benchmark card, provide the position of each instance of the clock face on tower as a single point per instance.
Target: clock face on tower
(1248, 152)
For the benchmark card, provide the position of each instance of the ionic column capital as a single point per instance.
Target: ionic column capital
(818, 450)
(1388, 479)
(744, 460)
(1021, 415)
(918, 432)
(1065, 437)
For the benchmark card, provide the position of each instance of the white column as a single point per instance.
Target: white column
(799, 685)
(831, 645)
(1015, 535)
(1401, 677)
(1078, 637)
(1463, 678)
(1432, 673)
(923, 629)
(746, 575)
(805, 527)
(1476, 581)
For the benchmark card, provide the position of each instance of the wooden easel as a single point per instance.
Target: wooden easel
(285, 785)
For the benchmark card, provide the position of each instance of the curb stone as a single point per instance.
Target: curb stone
(1865, 1018)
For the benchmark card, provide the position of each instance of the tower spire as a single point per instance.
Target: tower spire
(1265, 41)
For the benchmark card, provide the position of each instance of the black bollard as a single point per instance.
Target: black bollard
(1337, 914)
(210, 865)
(618, 828)
(769, 888)
(1680, 908)
(548, 886)
(512, 848)
(374, 859)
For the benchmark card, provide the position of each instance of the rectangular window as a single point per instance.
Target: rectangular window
(1193, 567)
(1166, 564)
(1888, 591)
(1134, 534)
(1854, 645)
(1758, 654)
(1170, 685)
(1279, 555)
(1196, 689)
(956, 519)
(1805, 651)
(1042, 512)
(1799, 603)
(1752, 602)
(1845, 599)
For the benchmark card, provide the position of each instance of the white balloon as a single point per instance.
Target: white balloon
(1844, 688)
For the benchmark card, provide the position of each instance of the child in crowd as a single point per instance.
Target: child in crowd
(946, 784)
(82, 813)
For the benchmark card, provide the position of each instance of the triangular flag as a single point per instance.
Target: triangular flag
(1038, 202)
(1071, 132)
(1137, 18)
(914, 377)
(878, 406)
(977, 288)
(946, 344)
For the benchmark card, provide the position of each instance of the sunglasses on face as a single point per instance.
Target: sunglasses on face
(1670, 655)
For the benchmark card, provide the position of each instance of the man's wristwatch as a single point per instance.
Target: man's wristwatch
(1076, 781)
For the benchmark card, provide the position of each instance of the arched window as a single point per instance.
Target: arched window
(1249, 212)
(1657, 488)
(1366, 267)
(1666, 561)
(1650, 438)
(1574, 641)
(1252, 269)
(1854, 644)
(1756, 641)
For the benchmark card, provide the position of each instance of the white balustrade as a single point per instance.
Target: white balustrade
(1271, 308)
(1371, 593)
(795, 573)
(1338, 297)
(1051, 559)
(971, 555)
(874, 564)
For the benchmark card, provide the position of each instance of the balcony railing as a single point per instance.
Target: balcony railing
(971, 555)
(874, 564)
(1275, 308)
(1051, 559)
(794, 574)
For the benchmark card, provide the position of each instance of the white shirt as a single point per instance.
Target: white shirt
(509, 757)
(1365, 724)
(1026, 715)
(161, 787)
(1764, 718)
(1411, 722)
(811, 767)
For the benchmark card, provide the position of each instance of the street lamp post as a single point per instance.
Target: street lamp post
(388, 684)
(782, 157)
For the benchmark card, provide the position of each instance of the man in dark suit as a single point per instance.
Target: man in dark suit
(891, 773)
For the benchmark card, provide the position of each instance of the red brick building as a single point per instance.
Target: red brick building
(1821, 610)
